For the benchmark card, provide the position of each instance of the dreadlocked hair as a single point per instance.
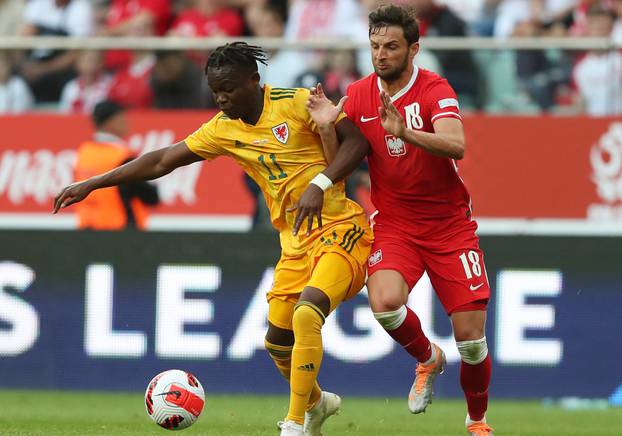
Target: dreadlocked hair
(237, 54)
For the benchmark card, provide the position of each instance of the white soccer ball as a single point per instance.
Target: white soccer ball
(174, 399)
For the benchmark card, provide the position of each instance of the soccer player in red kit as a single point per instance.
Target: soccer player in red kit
(411, 118)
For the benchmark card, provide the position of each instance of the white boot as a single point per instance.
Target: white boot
(328, 405)
(291, 428)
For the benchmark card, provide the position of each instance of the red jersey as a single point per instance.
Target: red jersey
(131, 87)
(120, 11)
(411, 188)
(225, 22)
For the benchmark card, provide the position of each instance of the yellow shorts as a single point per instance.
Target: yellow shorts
(335, 264)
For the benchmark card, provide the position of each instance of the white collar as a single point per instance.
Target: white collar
(109, 138)
(406, 88)
(142, 66)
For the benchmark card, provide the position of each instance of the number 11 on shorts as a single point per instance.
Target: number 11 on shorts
(471, 264)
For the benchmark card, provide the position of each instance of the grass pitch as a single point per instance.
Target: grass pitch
(52, 413)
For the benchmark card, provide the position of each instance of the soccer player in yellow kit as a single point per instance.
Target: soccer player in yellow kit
(270, 134)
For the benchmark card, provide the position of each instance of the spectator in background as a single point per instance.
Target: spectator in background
(208, 18)
(11, 12)
(325, 18)
(92, 85)
(204, 19)
(580, 16)
(545, 14)
(341, 72)
(15, 96)
(131, 86)
(471, 12)
(47, 71)
(541, 73)
(458, 66)
(284, 66)
(114, 208)
(556, 13)
(328, 19)
(177, 83)
(598, 75)
(125, 16)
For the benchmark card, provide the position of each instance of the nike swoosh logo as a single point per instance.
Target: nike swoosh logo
(475, 288)
(364, 120)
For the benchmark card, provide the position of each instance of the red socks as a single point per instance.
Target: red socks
(410, 336)
(475, 380)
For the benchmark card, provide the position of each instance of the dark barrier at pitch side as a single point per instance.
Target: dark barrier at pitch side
(81, 310)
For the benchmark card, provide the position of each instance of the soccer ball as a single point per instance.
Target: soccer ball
(174, 399)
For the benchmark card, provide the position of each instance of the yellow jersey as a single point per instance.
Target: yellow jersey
(282, 153)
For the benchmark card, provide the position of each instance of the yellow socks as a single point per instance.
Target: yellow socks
(306, 360)
(282, 357)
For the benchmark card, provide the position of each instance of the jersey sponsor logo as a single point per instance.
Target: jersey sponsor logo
(374, 258)
(260, 141)
(475, 288)
(448, 102)
(395, 145)
(281, 133)
(365, 119)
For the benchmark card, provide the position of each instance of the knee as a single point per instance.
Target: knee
(474, 351)
(468, 332)
(390, 320)
(385, 299)
(278, 352)
(307, 317)
(278, 336)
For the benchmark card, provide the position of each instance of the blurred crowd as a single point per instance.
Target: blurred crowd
(528, 81)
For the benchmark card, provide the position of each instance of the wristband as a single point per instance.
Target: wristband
(322, 181)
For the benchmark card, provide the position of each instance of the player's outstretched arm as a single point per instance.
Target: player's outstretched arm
(352, 150)
(149, 166)
(446, 141)
(354, 147)
(324, 113)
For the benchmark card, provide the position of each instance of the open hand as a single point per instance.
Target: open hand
(309, 206)
(392, 121)
(72, 194)
(321, 109)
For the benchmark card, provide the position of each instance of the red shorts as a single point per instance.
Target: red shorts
(455, 265)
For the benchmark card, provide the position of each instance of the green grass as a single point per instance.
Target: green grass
(51, 413)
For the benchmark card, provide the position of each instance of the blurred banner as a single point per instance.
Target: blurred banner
(37, 153)
(85, 310)
(539, 175)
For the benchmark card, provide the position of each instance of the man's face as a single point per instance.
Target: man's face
(117, 125)
(234, 91)
(390, 53)
(599, 26)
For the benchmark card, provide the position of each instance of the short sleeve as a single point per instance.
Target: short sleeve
(31, 12)
(159, 8)
(442, 102)
(301, 111)
(80, 20)
(205, 142)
